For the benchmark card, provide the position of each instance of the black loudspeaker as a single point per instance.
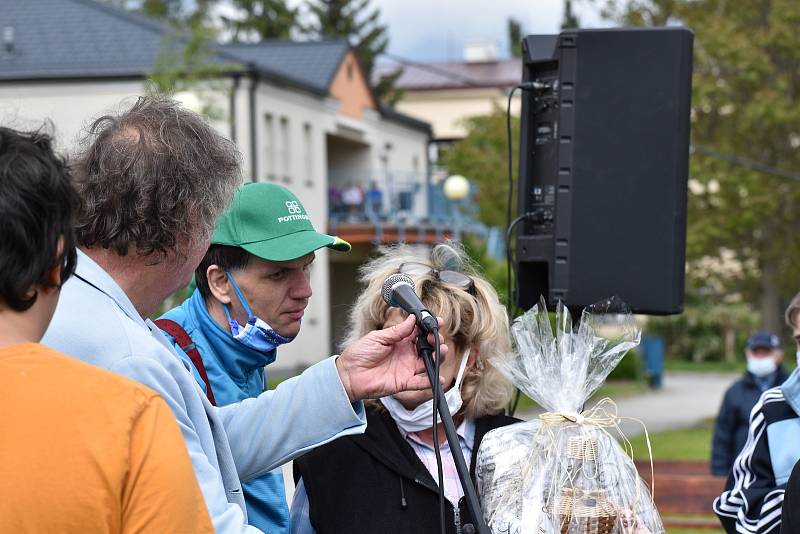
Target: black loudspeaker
(604, 155)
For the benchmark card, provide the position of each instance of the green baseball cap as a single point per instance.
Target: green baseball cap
(268, 221)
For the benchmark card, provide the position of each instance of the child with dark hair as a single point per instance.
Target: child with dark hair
(83, 450)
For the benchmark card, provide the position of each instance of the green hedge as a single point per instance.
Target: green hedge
(630, 368)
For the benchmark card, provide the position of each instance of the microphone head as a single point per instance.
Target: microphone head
(391, 282)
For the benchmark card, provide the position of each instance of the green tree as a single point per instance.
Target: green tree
(514, 37)
(570, 19)
(185, 60)
(264, 19)
(482, 157)
(745, 103)
(359, 23)
(162, 9)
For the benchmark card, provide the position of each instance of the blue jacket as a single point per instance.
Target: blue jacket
(753, 498)
(235, 373)
(733, 420)
(96, 322)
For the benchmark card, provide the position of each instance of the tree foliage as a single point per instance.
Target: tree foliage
(482, 157)
(514, 37)
(570, 19)
(184, 60)
(359, 23)
(262, 19)
(745, 103)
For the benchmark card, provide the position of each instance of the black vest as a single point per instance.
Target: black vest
(374, 483)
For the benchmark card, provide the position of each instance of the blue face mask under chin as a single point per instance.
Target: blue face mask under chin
(256, 334)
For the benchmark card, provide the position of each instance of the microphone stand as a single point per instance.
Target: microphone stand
(473, 505)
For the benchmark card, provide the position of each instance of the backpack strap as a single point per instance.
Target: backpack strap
(187, 345)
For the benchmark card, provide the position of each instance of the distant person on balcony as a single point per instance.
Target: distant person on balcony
(755, 490)
(764, 371)
(335, 204)
(353, 199)
(374, 197)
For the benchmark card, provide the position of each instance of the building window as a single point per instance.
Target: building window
(285, 151)
(350, 71)
(270, 171)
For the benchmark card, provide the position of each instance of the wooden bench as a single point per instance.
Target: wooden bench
(684, 489)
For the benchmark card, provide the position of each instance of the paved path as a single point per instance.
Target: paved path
(684, 400)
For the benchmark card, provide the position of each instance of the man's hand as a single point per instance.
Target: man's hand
(384, 362)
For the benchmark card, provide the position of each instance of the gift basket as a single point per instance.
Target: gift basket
(569, 471)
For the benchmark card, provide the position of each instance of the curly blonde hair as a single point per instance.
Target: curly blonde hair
(473, 318)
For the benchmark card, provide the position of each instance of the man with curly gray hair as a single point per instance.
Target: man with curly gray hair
(152, 182)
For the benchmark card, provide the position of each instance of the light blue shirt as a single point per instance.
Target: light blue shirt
(235, 372)
(97, 323)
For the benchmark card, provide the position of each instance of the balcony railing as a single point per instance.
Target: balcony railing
(399, 206)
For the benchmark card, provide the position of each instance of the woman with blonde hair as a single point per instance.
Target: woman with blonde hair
(385, 481)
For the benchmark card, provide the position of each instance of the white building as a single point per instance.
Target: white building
(302, 115)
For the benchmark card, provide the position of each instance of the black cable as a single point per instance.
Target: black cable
(436, 390)
(509, 139)
(512, 408)
(512, 302)
(510, 143)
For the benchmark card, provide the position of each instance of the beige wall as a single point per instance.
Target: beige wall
(446, 109)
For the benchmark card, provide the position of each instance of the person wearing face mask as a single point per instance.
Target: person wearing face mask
(762, 484)
(764, 371)
(252, 290)
(386, 480)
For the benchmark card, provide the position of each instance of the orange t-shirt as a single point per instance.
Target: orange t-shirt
(85, 450)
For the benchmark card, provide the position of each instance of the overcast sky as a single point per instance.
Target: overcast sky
(436, 30)
(432, 30)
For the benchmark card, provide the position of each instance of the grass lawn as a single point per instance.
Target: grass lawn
(686, 444)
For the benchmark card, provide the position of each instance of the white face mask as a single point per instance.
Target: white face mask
(421, 417)
(761, 367)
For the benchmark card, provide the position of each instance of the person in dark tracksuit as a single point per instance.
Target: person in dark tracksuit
(764, 371)
(759, 487)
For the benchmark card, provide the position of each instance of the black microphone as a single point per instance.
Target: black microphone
(398, 291)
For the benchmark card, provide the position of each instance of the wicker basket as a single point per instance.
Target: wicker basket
(585, 512)
(582, 510)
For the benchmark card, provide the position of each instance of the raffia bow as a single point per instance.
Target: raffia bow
(598, 415)
(604, 415)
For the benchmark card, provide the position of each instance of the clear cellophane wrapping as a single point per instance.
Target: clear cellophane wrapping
(565, 471)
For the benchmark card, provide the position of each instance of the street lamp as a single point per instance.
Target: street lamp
(456, 189)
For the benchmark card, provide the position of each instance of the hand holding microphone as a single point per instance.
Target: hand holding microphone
(385, 362)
